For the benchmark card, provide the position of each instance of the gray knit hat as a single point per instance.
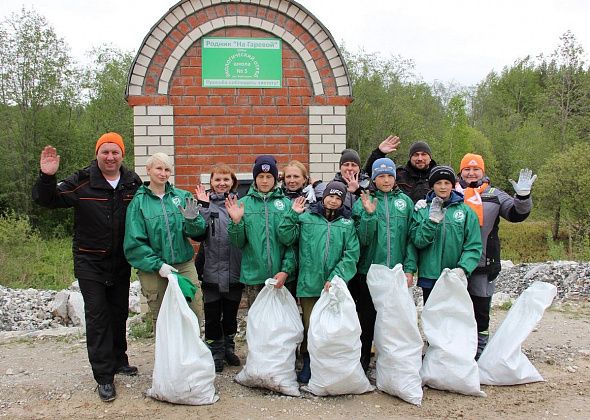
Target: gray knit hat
(420, 146)
(350, 155)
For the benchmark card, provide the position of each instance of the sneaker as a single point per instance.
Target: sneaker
(126, 370)
(106, 392)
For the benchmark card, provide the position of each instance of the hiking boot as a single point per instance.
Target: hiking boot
(106, 392)
(305, 372)
(231, 357)
(126, 370)
(482, 341)
(217, 348)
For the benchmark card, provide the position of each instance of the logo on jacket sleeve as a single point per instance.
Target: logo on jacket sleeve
(279, 205)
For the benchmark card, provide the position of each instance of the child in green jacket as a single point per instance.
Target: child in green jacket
(254, 226)
(328, 247)
(446, 232)
(383, 219)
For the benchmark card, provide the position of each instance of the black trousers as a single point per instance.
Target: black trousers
(106, 310)
(481, 308)
(366, 312)
(221, 318)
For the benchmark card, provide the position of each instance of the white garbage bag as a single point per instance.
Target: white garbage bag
(273, 332)
(334, 344)
(184, 372)
(502, 361)
(397, 337)
(450, 329)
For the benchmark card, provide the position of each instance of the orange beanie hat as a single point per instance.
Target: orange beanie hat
(471, 159)
(110, 138)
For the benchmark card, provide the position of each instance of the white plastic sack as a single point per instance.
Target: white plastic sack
(273, 332)
(502, 361)
(184, 372)
(334, 344)
(450, 329)
(397, 337)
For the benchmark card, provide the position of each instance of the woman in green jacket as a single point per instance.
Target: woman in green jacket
(328, 247)
(157, 232)
(254, 226)
(383, 219)
(446, 232)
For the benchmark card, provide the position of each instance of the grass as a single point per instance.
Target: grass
(142, 330)
(525, 241)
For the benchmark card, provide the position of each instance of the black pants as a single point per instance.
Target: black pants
(425, 293)
(221, 318)
(106, 309)
(366, 312)
(481, 308)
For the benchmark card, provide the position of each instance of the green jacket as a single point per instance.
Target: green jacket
(256, 235)
(155, 230)
(452, 243)
(384, 234)
(326, 249)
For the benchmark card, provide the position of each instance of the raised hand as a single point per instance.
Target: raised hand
(49, 161)
(352, 182)
(191, 208)
(525, 182)
(436, 213)
(298, 205)
(234, 208)
(369, 204)
(202, 194)
(390, 144)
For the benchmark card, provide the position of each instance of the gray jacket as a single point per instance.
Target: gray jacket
(222, 260)
(496, 204)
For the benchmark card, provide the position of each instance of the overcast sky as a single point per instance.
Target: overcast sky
(458, 41)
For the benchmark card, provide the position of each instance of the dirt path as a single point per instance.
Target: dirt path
(49, 379)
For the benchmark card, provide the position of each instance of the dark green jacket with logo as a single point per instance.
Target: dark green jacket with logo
(455, 242)
(384, 234)
(326, 249)
(256, 235)
(155, 230)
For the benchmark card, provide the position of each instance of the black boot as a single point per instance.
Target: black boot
(482, 342)
(106, 392)
(230, 347)
(305, 373)
(218, 351)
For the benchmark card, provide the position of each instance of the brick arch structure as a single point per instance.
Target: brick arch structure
(305, 119)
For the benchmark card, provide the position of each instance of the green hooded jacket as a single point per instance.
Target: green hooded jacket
(155, 230)
(326, 249)
(384, 234)
(455, 242)
(256, 235)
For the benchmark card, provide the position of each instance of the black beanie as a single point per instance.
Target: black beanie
(335, 188)
(442, 172)
(265, 163)
(350, 155)
(420, 146)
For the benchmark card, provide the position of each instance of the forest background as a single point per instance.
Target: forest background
(533, 114)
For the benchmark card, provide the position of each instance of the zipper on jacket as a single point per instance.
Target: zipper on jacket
(168, 231)
(327, 245)
(268, 257)
(388, 231)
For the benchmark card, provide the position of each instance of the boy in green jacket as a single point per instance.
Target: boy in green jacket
(254, 226)
(383, 219)
(446, 232)
(328, 247)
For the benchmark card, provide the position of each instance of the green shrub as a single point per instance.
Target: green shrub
(142, 330)
(525, 241)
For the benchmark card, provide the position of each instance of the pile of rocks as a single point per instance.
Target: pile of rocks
(30, 309)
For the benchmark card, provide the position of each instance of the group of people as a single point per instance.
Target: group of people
(298, 231)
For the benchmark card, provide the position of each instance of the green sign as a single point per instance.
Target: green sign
(242, 62)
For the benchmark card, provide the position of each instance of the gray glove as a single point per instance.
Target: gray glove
(459, 272)
(420, 204)
(191, 209)
(166, 269)
(436, 213)
(525, 182)
(309, 194)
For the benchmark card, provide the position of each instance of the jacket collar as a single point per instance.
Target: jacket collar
(456, 197)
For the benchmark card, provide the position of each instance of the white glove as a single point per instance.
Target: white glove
(436, 213)
(459, 272)
(525, 182)
(309, 194)
(191, 209)
(166, 269)
(420, 204)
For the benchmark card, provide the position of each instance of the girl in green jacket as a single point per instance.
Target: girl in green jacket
(328, 247)
(254, 226)
(383, 219)
(446, 232)
(157, 232)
